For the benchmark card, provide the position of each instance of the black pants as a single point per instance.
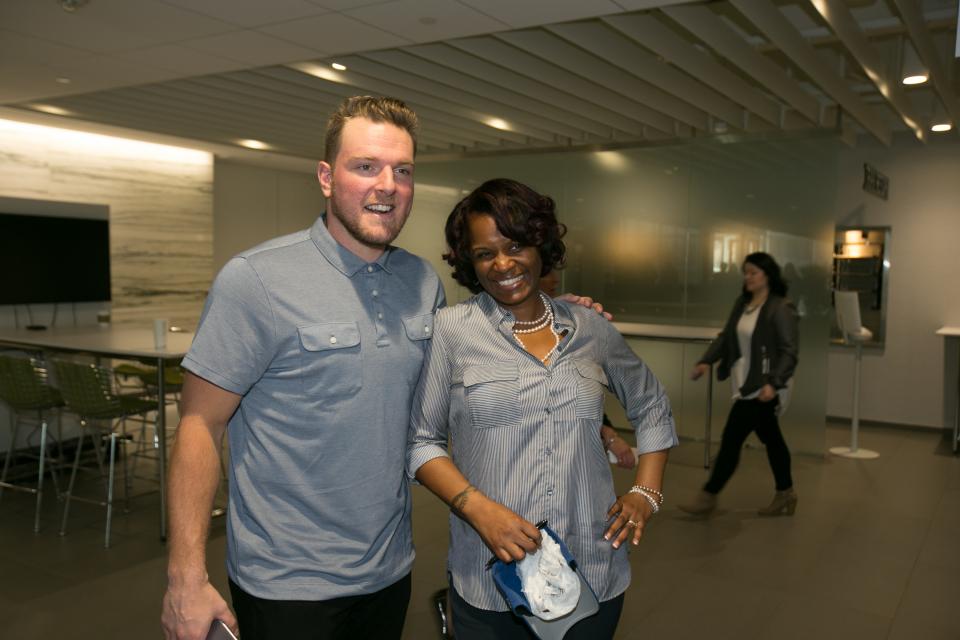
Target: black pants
(377, 615)
(747, 416)
(471, 623)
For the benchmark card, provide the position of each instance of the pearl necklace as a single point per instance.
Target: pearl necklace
(545, 321)
(556, 343)
(540, 322)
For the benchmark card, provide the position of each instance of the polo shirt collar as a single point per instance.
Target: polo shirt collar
(348, 263)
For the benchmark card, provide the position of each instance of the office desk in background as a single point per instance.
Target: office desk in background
(684, 334)
(953, 333)
(124, 343)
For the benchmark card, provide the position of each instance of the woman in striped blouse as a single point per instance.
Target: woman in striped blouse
(505, 426)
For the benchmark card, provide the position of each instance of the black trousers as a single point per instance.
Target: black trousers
(746, 416)
(471, 623)
(376, 615)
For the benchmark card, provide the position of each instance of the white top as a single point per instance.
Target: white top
(741, 368)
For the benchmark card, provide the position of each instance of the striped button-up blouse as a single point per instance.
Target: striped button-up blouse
(528, 435)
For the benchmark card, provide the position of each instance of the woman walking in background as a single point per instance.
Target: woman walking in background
(757, 350)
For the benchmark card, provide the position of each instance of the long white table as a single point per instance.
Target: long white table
(953, 333)
(113, 342)
(679, 333)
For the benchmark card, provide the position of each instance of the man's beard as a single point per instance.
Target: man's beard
(378, 237)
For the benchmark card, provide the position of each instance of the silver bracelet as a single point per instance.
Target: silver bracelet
(639, 488)
(650, 499)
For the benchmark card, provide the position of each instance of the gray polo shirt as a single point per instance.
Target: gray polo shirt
(326, 350)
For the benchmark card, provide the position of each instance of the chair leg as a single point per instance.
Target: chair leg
(43, 459)
(113, 457)
(127, 474)
(10, 449)
(54, 462)
(73, 477)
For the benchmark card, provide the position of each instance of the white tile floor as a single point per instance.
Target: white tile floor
(873, 552)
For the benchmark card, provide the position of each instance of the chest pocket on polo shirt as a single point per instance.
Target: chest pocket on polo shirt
(330, 361)
(493, 393)
(591, 380)
(419, 330)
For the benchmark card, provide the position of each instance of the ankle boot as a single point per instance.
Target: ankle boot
(784, 502)
(702, 504)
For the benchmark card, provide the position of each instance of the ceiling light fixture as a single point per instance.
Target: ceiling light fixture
(253, 144)
(498, 123)
(338, 66)
(49, 108)
(913, 70)
(321, 71)
(940, 122)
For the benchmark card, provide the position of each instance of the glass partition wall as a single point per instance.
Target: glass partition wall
(658, 235)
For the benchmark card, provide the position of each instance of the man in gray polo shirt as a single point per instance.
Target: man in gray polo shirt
(308, 349)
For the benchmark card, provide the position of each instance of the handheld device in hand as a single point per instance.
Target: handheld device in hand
(220, 631)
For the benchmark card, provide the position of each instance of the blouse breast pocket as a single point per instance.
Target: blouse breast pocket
(330, 361)
(493, 394)
(591, 381)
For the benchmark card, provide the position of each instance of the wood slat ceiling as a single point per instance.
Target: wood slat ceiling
(654, 76)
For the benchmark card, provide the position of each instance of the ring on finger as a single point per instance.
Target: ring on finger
(631, 523)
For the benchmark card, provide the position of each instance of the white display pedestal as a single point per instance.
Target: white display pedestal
(848, 316)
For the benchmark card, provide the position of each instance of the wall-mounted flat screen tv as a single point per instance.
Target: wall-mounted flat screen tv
(51, 259)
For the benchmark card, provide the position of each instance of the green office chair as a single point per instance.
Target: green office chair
(141, 380)
(88, 392)
(24, 388)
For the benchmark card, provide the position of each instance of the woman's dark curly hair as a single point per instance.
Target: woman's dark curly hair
(520, 213)
(766, 263)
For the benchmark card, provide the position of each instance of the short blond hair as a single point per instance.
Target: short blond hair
(376, 109)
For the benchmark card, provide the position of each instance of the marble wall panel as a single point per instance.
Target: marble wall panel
(161, 212)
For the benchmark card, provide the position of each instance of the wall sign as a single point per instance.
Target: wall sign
(875, 182)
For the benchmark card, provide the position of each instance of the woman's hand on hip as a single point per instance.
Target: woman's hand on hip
(629, 515)
(508, 536)
(767, 393)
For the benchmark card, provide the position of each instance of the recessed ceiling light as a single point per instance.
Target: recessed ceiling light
(253, 144)
(49, 108)
(918, 79)
(338, 66)
(498, 123)
(940, 127)
(62, 80)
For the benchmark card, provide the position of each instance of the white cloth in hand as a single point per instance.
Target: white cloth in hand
(552, 588)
